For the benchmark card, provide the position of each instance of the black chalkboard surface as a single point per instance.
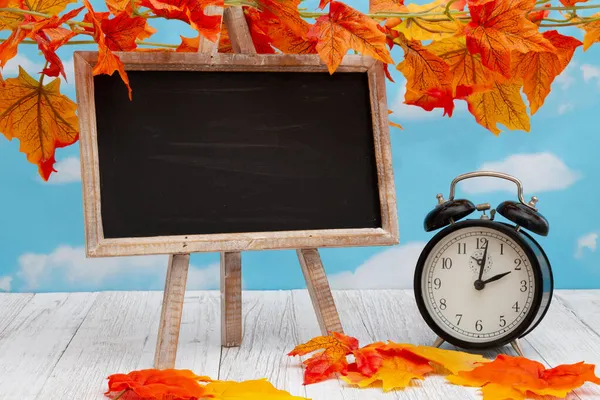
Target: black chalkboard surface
(225, 152)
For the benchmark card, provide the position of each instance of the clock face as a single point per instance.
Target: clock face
(471, 308)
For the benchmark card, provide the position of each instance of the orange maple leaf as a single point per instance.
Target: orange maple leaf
(570, 3)
(159, 384)
(376, 6)
(122, 31)
(39, 116)
(284, 11)
(592, 31)
(108, 62)
(345, 28)
(538, 69)
(191, 12)
(519, 376)
(502, 103)
(397, 369)
(332, 359)
(499, 27)
(538, 16)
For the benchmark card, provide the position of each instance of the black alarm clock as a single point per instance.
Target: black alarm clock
(481, 283)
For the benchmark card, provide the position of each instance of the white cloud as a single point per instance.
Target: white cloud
(5, 282)
(539, 172)
(590, 72)
(69, 170)
(565, 80)
(565, 108)
(11, 69)
(588, 241)
(390, 269)
(403, 112)
(68, 268)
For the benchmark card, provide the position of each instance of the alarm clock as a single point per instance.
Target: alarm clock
(481, 283)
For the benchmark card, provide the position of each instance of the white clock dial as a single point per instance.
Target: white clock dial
(490, 309)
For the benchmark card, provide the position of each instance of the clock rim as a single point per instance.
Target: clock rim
(511, 232)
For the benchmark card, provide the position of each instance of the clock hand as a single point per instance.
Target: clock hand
(483, 261)
(496, 277)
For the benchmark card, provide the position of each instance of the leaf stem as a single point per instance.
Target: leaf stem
(81, 42)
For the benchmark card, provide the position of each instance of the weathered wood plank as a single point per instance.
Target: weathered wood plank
(33, 343)
(319, 290)
(269, 334)
(110, 340)
(231, 299)
(11, 305)
(172, 308)
(199, 346)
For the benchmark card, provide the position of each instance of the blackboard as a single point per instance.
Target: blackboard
(225, 152)
(255, 151)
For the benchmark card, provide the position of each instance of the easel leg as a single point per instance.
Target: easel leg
(231, 299)
(320, 293)
(172, 307)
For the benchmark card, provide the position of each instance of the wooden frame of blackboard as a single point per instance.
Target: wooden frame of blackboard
(98, 246)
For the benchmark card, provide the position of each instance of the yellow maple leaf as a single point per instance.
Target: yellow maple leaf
(592, 31)
(396, 371)
(259, 389)
(493, 391)
(52, 7)
(454, 361)
(422, 28)
(9, 20)
(39, 116)
(501, 104)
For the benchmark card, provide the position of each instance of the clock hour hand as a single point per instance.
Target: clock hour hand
(496, 277)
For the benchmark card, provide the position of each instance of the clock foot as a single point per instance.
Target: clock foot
(516, 345)
(438, 342)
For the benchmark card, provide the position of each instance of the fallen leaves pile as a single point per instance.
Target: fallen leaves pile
(395, 365)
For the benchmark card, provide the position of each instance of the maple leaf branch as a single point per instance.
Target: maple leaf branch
(80, 42)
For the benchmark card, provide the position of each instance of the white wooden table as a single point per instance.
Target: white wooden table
(64, 345)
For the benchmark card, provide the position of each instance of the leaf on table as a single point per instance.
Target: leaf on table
(421, 28)
(108, 62)
(500, 27)
(38, 116)
(538, 69)
(592, 31)
(500, 104)
(159, 384)
(190, 12)
(253, 389)
(332, 359)
(345, 28)
(398, 368)
(525, 376)
(452, 360)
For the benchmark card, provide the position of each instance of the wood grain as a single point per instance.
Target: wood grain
(231, 299)
(206, 46)
(319, 290)
(172, 308)
(10, 306)
(34, 342)
(98, 246)
(239, 34)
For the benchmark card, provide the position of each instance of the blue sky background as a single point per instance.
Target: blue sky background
(41, 224)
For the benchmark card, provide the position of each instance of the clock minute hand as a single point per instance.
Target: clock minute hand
(496, 277)
(483, 261)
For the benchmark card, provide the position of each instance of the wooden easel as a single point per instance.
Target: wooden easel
(231, 266)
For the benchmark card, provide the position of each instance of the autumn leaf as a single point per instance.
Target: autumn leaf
(420, 28)
(422, 69)
(398, 368)
(376, 6)
(500, 27)
(538, 16)
(191, 12)
(570, 3)
(50, 7)
(39, 117)
(332, 359)
(538, 69)
(122, 31)
(108, 62)
(159, 384)
(501, 104)
(260, 38)
(452, 360)
(592, 31)
(9, 20)
(465, 69)
(284, 11)
(252, 389)
(518, 376)
(395, 125)
(345, 28)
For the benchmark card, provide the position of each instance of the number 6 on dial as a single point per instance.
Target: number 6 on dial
(481, 283)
